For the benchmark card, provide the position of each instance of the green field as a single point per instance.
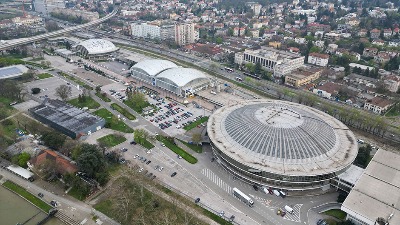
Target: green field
(112, 121)
(171, 145)
(74, 192)
(123, 111)
(89, 102)
(104, 98)
(196, 148)
(44, 76)
(337, 213)
(196, 123)
(145, 143)
(28, 196)
(112, 140)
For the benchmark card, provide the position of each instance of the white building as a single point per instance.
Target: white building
(318, 59)
(279, 62)
(378, 105)
(48, 6)
(145, 30)
(375, 197)
(185, 33)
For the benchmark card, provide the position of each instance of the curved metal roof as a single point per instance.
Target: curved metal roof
(98, 46)
(282, 137)
(182, 76)
(154, 66)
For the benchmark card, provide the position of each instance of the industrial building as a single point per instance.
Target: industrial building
(169, 77)
(276, 61)
(12, 71)
(96, 49)
(67, 119)
(281, 144)
(375, 199)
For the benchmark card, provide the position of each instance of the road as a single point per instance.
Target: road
(16, 42)
(75, 210)
(267, 87)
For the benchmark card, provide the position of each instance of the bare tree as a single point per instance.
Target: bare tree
(63, 91)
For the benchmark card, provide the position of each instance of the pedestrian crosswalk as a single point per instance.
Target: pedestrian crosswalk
(295, 216)
(214, 178)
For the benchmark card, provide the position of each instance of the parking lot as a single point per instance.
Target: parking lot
(48, 87)
(169, 116)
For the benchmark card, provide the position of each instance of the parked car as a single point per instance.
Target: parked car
(197, 200)
(40, 195)
(255, 187)
(173, 174)
(141, 170)
(161, 169)
(133, 143)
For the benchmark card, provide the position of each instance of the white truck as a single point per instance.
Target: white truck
(244, 198)
(276, 192)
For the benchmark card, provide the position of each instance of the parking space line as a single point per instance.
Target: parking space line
(295, 216)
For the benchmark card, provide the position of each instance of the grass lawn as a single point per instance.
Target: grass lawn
(196, 123)
(394, 111)
(112, 140)
(112, 121)
(123, 111)
(145, 144)
(89, 102)
(76, 193)
(103, 97)
(30, 197)
(137, 109)
(44, 76)
(337, 213)
(169, 144)
(196, 148)
(215, 217)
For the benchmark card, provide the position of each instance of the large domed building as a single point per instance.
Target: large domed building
(281, 144)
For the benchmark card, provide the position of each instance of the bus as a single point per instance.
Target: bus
(252, 75)
(21, 172)
(240, 195)
(229, 70)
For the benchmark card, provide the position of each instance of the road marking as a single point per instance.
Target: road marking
(218, 181)
(295, 217)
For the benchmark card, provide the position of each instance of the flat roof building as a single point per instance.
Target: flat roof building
(302, 76)
(12, 71)
(276, 61)
(67, 119)
(376, 195)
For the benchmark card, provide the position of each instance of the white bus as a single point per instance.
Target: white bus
(246, 199)
(26, 174)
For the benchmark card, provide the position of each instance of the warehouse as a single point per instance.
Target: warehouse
(281, 144)
(168, 76)
(67, 119)
(12, 71)
(96, 49)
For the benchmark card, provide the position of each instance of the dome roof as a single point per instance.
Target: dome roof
(282, 137)
(154, 66)
(98, 46)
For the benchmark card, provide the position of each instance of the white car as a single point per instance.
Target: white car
(161, 168)
(178, 127)
(162, 145)
(141, 170)
(135, 156)
(155, 133)
(149, 151)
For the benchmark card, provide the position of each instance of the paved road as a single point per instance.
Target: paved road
(76, 210)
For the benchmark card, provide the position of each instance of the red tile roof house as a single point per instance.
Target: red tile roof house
(327, 90)
(378, 105)
(62, 165)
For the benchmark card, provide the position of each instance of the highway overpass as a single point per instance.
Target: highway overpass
(21, 41)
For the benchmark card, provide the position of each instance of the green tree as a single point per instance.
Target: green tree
(315, 49)
(250, 67)
(196, 138)
(35, 91)
(98, 88)
(257, 68)
(141, 135)
(219, 40)
(91, 161)
(53, 139)
(21, 159)
(137, 100)
(363, 156)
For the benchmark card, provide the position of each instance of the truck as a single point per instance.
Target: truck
(276, 192)
(244, 198)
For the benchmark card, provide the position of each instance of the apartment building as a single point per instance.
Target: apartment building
(276, 61)
(185, 33)
(48, 6)
(146, 30)
(302, 76)
(318, 59)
